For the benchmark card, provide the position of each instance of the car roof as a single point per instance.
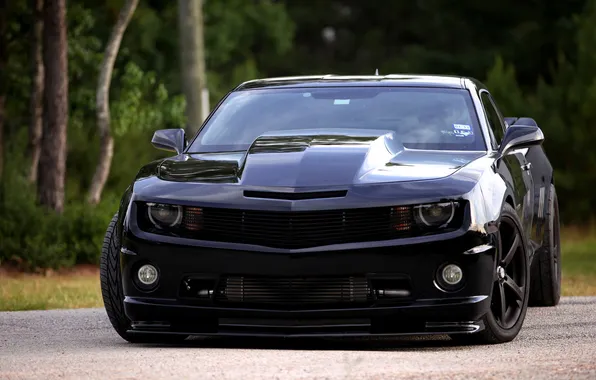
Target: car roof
(330, 80)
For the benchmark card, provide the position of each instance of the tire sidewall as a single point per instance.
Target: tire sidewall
(112, 292)
(553, 205)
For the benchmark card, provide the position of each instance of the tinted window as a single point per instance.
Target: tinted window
(494, 120)
(421, 118)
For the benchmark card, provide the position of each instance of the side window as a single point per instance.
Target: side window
(494, 119)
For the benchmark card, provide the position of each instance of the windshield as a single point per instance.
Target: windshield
(421, 118)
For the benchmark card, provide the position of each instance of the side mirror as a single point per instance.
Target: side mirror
(521, 136)
(509, 121)
(172, 140)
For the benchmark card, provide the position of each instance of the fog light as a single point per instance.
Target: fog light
(147, 274)
(452, 274)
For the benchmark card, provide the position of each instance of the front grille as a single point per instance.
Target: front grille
(294, 291)
(296, 229)
(303, 229)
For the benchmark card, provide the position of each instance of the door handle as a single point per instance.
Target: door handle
(527, 166)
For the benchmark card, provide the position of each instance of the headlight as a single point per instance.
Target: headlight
(162, 215)
(435, 214)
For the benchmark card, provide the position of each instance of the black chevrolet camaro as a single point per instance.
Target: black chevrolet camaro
(334, 206)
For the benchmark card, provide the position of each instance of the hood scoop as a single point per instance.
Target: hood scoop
(322, 157)
(299, 140)
(280, 144)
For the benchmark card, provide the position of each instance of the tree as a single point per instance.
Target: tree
(52, 162)
(102, 102)
(190, 29)
(36, 100)
(3, 64)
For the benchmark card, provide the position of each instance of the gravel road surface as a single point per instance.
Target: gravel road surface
(80, 344)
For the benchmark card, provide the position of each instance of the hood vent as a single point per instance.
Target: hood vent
(295, 196)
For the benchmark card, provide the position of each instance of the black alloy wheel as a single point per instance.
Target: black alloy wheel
(510, 285)
(510, 277)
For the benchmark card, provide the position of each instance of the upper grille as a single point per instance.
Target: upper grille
(302, 229)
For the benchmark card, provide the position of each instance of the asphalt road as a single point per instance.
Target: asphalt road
(80, 344)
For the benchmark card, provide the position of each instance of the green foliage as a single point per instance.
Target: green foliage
(143, 103)
(242, 39)
(505, 89)
(246, 31)
(84, 58)
(563, 107)
(240, 42)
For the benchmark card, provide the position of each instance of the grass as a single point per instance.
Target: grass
(80, 288)
(39, 292)
(579, 261)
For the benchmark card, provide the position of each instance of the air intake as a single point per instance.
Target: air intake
(293, 291)
(295, 196)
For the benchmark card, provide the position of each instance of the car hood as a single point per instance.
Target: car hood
(317, 158)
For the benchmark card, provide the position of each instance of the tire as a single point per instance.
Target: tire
(546, 267)
(112, 293)
(501, 327)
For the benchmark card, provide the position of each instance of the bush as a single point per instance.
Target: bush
(33, 237)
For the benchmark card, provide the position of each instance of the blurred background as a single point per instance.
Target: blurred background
(538, 58)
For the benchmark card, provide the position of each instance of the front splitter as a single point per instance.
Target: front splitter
(313, 331)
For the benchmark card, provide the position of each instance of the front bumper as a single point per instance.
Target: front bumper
(427, 310)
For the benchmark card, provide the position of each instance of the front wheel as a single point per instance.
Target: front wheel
(511, 285)
(112, 293)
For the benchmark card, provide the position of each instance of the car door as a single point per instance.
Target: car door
(513, 166)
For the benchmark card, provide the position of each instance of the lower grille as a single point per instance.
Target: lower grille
(292, 291)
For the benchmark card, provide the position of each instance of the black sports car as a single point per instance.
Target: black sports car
(339, 206)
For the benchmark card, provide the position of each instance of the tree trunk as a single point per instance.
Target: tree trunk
(106, 151)
(52, 161)
(2, 117)
(3, 62)
(194, 82)
(36, 100)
